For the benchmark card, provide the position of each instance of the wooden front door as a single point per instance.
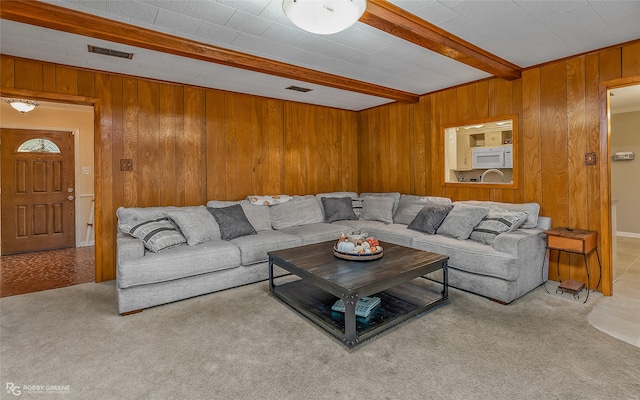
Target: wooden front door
(38, 191)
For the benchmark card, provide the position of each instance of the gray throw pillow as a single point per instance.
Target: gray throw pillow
(337, 208)
(429, 218)
(196, 224)
(232, 221)
(377, 209)
(496, 222)
(461, 220)
(156, 234)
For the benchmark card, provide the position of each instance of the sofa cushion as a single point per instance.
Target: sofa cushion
(132, 215)
(532, 210)
(496, 222)
(196, 224)
(257, 215)
(156, 234)
(299, 211)
(461, 220)
(429, 218)
(254, 248)
(178, 262)
(316, 233)
(337, 208)
(394, 195)
(377, 209)
(232, 221)
(470, 256)
(410, 205)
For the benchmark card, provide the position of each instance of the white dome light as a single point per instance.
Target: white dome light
(324, 17)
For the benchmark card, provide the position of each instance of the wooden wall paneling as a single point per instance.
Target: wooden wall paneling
(518, 149)
(275, 150)
(383, 149)
(103, 168)
(404, 163)
(216, 174)
(294, 169)
(349, 155)
(554, 148)
(230, 145)
(482, 99)
(577, 146)
(167, 144)
(149, 156)
(610, 64)
(631, 60)
(180, 148)
(49, 78)
(333, 158)
(257, 140)
(531, 158)
(117, 124)
(503, 101)
(7, 72)
(394, 151)
(28, 75)
(130, 141)
(195, 146)
(420, 165)
(309, 138)
(243, 146)
(364, 159)
(66, 80)
(85, 84)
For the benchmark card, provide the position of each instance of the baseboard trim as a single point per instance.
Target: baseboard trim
(628, 234)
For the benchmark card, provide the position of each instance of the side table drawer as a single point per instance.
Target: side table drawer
(563, 243)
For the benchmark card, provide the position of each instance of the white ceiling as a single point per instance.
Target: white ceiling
(523, 32)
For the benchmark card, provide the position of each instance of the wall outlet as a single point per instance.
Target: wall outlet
(126, 164)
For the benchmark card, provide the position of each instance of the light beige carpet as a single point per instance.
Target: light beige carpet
(244, 344)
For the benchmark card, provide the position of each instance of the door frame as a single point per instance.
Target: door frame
(605, 178)
(97, 189)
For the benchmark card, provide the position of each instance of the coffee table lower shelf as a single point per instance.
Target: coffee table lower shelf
(398, 304)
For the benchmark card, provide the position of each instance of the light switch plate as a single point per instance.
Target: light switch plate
(86, 170)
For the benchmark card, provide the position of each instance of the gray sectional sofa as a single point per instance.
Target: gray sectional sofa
(165, 254)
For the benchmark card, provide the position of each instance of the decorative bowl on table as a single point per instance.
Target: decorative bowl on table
(357, 247)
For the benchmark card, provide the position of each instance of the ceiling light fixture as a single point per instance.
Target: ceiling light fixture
(324, 17)
(22, 106)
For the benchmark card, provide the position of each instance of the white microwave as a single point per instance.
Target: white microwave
(492, 157)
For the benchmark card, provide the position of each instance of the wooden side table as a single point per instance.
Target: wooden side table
(577, 242)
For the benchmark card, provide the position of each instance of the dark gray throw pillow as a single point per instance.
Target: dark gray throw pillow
(337, 208)
(232, 221)
(461, 220)
(429, 218)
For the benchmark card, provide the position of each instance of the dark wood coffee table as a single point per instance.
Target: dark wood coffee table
(318, 279)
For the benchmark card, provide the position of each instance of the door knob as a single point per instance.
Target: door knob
(70, 190)
(70, 197)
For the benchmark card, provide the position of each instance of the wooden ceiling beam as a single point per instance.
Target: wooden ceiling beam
(67, 20)
(392, 19)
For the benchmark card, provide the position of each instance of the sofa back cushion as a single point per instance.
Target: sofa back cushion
(532, 210)
(130, 215)
(377, 208)
(258, 215)
(393, 195)
(196, 224)
(299, 211)
(410, 205)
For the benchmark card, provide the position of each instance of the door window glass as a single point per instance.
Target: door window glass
(38, 146)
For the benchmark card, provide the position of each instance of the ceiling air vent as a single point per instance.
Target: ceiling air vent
(299, 89)
(109, 52)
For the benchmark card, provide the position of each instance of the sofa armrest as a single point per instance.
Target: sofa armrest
(128, 247)
(544, 223)
(520, 241)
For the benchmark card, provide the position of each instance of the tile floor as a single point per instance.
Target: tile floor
(43, 270)
(619, 315)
